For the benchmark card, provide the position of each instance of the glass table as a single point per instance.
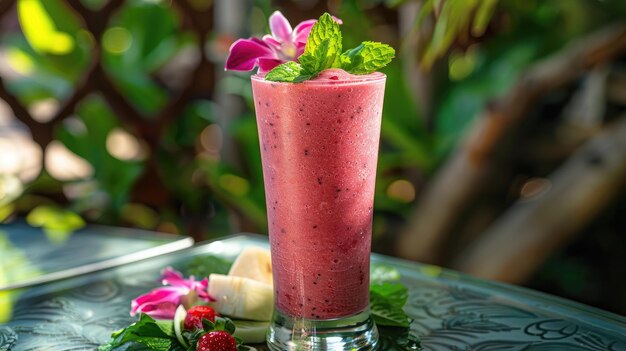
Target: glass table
(450, 311)
(31, 256)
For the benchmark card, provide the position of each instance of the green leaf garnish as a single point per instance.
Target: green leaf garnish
(323, 46)
(322, 51)
(145, 334)
(204, 266)
(287, 72)
(367, 58)
(386, 303)
(153, 335)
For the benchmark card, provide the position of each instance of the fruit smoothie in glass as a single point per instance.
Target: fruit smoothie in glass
(318, 108)
(319, 146)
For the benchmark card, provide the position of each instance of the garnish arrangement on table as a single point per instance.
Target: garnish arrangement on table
(222, 312)
(448, 310)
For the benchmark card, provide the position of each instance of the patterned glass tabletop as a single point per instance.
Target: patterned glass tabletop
(30, 256)
(450, 311)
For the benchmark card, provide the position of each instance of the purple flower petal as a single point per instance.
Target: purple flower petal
(271, 42)
(244, 54)
(167, 293)
(283, 45)
(165, 310)
(160, 302)
(268, 64)
(280, 27)
(257, 40)
(337, 19)
(302, 30)
(202, 288)
(300, 49)
(170, 276)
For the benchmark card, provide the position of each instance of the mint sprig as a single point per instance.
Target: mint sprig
(322, 51)
(152, 335)
(145, 334)
(386, 304)
(323, 46)
(287, 72)
(367, 57)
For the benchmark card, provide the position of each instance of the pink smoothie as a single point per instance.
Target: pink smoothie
(319, 145)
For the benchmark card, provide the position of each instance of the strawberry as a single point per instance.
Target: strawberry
(194, 317)
(217, 341)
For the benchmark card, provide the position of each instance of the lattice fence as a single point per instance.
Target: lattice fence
(95, 79)
(149, 129)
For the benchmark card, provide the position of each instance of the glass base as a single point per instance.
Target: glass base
(354, 333)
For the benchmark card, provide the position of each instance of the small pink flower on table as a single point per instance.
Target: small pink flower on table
(284, 44)
(161, 303)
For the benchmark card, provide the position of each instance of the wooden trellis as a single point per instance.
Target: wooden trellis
(150, 129)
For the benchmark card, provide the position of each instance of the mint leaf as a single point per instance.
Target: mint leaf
(287, 72)
(204, 266)
(367, 58)
(145, 334)
(323, 46)
(386, 303)
(396, 293)
(387, 314)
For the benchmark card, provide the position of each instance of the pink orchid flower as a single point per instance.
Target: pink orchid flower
(284, 44)
(162, 302)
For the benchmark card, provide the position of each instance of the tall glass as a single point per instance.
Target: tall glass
(319, 146)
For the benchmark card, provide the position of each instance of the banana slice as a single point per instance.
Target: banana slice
(243, 298)
(254, 263)
(179, 319)
(251, 332)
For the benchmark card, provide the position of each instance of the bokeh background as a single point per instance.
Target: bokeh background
(503, 143)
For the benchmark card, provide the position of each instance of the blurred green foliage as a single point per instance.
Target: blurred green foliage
(140, 40)
(115, 177)
(58, 223)
(14, 266)
(51, 52)
(477, 49)
(455, 18)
